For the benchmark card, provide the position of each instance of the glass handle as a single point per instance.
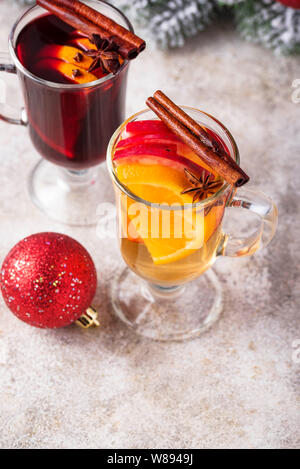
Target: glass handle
(9, 113)
(259, 204)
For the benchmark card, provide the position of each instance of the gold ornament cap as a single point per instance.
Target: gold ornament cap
(89, 319)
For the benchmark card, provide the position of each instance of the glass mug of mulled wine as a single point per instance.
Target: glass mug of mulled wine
(70, 114)
(170, 235)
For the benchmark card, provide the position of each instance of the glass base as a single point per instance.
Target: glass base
(70, 197)
(167, 314)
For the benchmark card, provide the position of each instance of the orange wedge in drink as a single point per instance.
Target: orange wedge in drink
(74, 73)
(170, 232)
(69, 61)
(68, 54)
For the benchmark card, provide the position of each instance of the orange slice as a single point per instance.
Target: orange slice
(74, 73)
(77, 74)
(169, 235)
(128, 229)
(68, 54)
(154, 183)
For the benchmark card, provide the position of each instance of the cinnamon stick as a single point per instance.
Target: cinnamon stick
(88, 27)
(227, 168)
(104, 22)
(190, 123)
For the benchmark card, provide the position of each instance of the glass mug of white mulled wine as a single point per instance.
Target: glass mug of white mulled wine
(71, 113)
(171, 233)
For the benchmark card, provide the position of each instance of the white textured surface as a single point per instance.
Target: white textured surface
(237, 385)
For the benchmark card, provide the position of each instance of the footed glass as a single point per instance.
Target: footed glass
(70, 125)
(173, 294)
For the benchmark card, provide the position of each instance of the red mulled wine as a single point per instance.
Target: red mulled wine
(69, 125)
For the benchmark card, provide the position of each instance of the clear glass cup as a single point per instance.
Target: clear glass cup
(70, 126)
(180, 297)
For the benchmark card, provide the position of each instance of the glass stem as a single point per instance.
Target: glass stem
(73, 179)
(160, 292)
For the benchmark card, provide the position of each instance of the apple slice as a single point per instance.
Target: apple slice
(154, 149)
(156, 132)
(165, 155)
(151, 128)
(218, 139)
(145, 127)
(74, 73)
(163, 138)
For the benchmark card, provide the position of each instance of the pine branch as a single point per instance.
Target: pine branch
(170, 22)
(270, 23)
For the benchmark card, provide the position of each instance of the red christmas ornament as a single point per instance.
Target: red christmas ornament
(48, 280)
(290, 3)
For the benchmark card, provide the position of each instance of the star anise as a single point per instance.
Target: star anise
(105, 56)
(202, 187)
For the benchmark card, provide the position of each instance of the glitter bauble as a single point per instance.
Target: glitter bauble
(48, 280)
(290, 3)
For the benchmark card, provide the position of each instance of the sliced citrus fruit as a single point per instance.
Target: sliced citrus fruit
(74, 73)
(150, 161)
(68, 54)
(169, 235)
(166, 182)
